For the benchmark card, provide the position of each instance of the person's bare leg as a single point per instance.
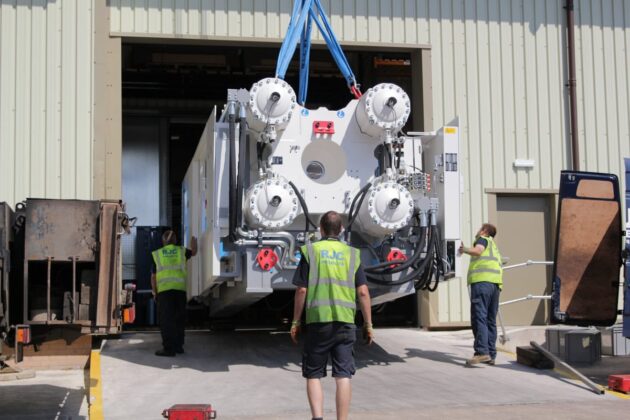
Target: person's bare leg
(315, 397)
(343, 397)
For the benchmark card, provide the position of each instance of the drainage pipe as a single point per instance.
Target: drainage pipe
(575, 151)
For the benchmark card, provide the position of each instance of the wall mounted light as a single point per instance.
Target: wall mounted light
(524, 163)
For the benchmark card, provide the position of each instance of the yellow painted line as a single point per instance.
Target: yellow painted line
(96, 387)
(509, 353)
(566, 375)
(618, 394)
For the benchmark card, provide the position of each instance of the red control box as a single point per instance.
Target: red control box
(190, 412)
(619, 383)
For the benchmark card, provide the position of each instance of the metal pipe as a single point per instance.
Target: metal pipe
(49, 269)
(280, 234)
(289, 238)
(575, 153)
(528, 297)
(527, 263)
(74, 288)
(268, 242)
(241, 176)
(557, 361)
(232, 168)
(504, 337)
(421, 133)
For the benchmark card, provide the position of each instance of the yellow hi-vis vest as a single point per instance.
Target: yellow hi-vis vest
(486, 267)
(170, 263)
(331, 292)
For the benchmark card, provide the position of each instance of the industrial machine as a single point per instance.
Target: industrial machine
(269, 167)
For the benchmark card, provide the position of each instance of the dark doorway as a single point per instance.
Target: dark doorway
(169, 91)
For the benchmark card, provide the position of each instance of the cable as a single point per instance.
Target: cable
(363, 193)
(307, 216)
(420, 273)
(385, 268)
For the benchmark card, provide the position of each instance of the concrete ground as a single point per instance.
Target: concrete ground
(51, 394)
(406, 374)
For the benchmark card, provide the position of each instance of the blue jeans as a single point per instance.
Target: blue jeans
(484, 304)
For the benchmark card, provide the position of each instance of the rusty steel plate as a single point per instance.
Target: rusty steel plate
(61, 229)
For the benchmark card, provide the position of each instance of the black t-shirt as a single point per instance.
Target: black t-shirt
(154, 268)
(300, 278)
(481, 241)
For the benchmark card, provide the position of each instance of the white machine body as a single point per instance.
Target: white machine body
(325, 158)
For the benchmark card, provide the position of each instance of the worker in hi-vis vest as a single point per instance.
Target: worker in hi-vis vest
(328, 279)
(168, 280)
(485, 278)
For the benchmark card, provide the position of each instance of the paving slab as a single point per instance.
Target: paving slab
(407, 373)
(51, 394)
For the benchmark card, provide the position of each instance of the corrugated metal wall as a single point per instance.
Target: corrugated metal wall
(45, 99)
(497, 64)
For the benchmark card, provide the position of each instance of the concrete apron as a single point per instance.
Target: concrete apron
(257, 375)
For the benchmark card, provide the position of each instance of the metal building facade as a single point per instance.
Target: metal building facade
(46, 97)
(500, 65)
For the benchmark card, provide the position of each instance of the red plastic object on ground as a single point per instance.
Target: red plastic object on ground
(267, 258)
(396, 255)
(619, 383)
(323, 127)
(190, 412)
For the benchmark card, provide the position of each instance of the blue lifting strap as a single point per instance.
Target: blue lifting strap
(305, 13)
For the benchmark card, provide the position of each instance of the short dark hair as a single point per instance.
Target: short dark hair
(491, 230)
(169, 238)
(330, 223)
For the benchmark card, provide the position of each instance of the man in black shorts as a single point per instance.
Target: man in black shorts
(328, 280)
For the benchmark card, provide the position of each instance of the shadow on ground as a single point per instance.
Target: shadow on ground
(40, 401)
(218, 351)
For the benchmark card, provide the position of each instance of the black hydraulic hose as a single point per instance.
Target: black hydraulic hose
(352, 217)
(260, 147)
(385, 267)
(307, 216)
(356, 197)
(439, 267)
(232, 179)
(417, 253)
(388, 161)
(243, 146)
(409, 276)
(433, 268)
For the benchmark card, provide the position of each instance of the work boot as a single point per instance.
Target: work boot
(479, 358)
(491, 362)
(165, 353)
